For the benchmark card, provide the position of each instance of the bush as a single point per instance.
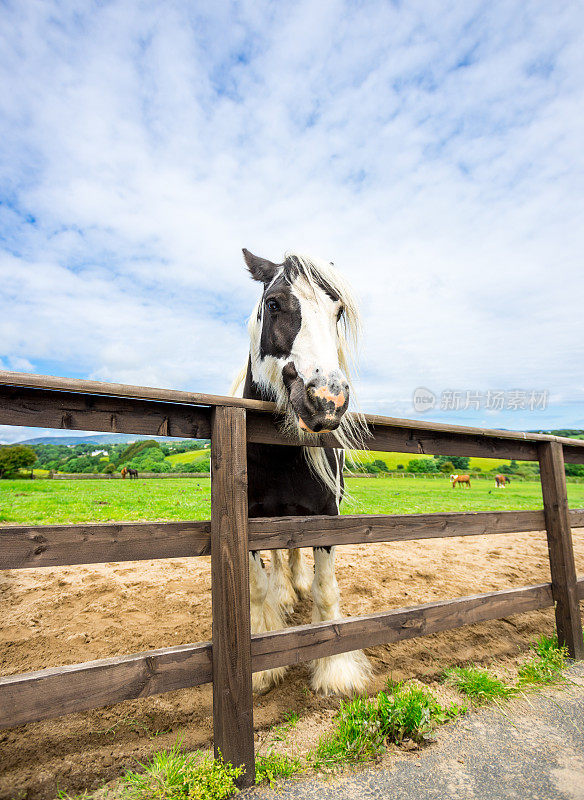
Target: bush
(422, 465)
(15, 458)
(575, 470)
(458, 463)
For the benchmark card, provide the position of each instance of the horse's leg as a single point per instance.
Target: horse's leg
(281, 579)
(301, 573)
(345, 673)
(265, 616)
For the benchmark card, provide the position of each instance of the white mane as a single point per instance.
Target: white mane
(352, 429)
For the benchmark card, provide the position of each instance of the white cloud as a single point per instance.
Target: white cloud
(433, 151)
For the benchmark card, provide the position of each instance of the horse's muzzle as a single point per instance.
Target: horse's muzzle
(321, 402)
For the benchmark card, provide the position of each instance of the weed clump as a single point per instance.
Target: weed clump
(173, 775)
(546, 664)
(365, 726)
(479, 684)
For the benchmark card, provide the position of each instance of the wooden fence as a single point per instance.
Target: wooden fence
(229, 660)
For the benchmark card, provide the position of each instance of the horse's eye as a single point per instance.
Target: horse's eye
(273, 306)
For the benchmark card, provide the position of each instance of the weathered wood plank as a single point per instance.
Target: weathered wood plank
(29, 546)
(573, 454)
(64, 690)
(402, 438)
(319, 531)
(401, 435)
(41, 408)
(232, 687)
(33, 696)
(32, 546)
(81, 386)
(450, 443)
(560, 548)
(305, 642)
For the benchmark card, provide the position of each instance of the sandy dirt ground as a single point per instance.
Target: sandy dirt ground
(71, 614)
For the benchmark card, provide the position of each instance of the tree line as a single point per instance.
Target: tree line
(145, 456)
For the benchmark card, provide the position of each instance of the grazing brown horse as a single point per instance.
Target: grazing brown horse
(501, 480)
(461, 480)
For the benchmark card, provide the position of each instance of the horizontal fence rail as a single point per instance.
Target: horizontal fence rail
(30, 546)
(33, 696)
(228, 662)
(70, 404)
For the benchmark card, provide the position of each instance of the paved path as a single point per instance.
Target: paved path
(532, 751)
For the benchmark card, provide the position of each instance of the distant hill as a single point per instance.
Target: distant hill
(88, 438)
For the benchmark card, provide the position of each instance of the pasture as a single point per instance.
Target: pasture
(45, 502)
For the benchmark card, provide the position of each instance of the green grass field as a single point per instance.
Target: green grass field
(190, 457)
(53, 502)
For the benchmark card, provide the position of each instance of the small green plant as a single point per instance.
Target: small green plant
(356, 737)
(174, 775)
(412, 712)
(545, 665)
(364, 726)
(275, 766)
(478, 684)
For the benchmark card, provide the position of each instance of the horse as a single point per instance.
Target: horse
(453, 477)
(461, 480)
(124, 472)
(302, 332)
(133, 473)
(501, 480)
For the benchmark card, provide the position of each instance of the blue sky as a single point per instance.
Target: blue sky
(432, 150)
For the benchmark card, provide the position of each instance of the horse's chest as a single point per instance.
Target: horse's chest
(280, 483)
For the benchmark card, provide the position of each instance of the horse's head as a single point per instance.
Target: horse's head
(298, 340)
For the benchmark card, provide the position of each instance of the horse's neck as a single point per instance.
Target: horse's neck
(280, 481)
(251, 391)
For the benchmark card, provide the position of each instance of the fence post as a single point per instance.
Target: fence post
(561, 552)
(232, 688)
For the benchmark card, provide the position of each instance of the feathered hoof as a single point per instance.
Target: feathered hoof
(303, 587)
(343, 674)
(262, 682)
(285, 596)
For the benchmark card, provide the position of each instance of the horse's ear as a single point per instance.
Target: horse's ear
(260, 268)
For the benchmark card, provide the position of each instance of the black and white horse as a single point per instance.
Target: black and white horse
(301, 332)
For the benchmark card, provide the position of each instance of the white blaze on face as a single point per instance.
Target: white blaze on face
(316, 344)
